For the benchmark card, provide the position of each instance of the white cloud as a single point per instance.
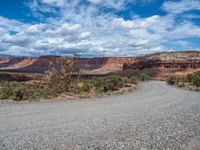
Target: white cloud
(56, 2)
(182, 6)
(136, 23)
(84, 34)
(89, 30)
(95, 1)
(66, 28)
(35, 28)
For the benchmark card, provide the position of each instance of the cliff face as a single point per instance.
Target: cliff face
(40, 65)
(163, 63)
(32, 65)
(178, 60)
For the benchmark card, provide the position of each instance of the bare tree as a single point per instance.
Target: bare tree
(52, 76)
(77, 65)
(62, 69)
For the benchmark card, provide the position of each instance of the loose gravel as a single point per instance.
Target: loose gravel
(154, 116)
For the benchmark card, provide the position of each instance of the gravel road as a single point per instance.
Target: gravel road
(154, 116)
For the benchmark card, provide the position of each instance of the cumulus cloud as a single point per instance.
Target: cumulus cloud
(77, 26)
(56, 2)
(136, 23)
(36, 28)
(95, 1)
(182, 6)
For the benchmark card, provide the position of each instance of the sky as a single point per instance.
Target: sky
(98, 27)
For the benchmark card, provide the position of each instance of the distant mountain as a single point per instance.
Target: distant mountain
(105, 65)
(94, 65)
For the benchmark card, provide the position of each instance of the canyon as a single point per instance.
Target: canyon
(161, 64)
(184, 60)
(41, 64)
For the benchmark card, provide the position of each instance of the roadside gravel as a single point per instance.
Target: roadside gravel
(154, 116)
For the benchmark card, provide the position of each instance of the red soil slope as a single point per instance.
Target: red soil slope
(163, 64)
(40, 65)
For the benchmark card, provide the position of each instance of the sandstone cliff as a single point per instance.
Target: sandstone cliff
(161, 64)
(165, 64)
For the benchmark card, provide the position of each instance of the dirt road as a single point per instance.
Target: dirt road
(154, 116)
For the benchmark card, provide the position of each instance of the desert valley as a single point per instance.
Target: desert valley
(99, 74)
(149, 102)
(159, 66)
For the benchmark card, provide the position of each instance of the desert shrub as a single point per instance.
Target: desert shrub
(196, 80)
(5, 93)
(143, 77)
(87, 86)
(192, 79)
(20, 91)
(181, 85)
(110, 83)
(18, 94)
(125, 80)
(188, 78)
(133, 80)
(172, 80)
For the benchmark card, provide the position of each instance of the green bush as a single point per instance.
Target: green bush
(18, 94)
(110, 83)
(5, 92)
(133, 80)
(196, 81)
(192, 79)
(19, 91)
(125, 80)
(87, 86)
(172, 80)
(142, 77)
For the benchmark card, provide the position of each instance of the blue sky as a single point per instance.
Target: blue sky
(98, 27)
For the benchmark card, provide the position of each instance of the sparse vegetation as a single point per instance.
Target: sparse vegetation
(111, 83)
(143, 77)
(172, 80)
(97, 86)
(59, 80)
(19, 91)
(191, 81)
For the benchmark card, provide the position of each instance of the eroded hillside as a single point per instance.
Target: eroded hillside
(161, 64)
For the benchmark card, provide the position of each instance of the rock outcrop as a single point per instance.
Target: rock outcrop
(165, 64)
(179, 60)
(160, 64)
(41, 64)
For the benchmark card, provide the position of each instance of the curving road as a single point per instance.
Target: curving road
(154, 116)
